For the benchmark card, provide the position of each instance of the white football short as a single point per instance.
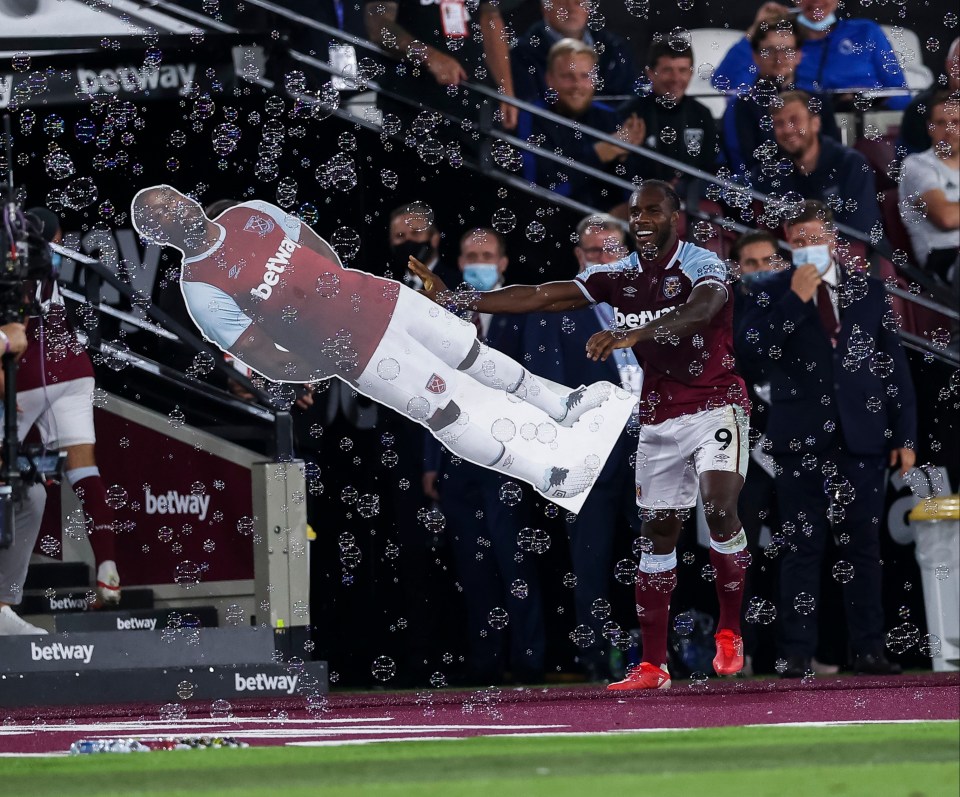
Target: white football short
(672, 455)
(63, 413)
(414, 369)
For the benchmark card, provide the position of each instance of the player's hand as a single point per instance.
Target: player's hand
(805, 281)
(305, 400)
(432, 284)
(906, 457)
(446, 69)
(601, 344)
(430, 485)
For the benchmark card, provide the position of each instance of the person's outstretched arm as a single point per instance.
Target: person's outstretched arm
(551, 297)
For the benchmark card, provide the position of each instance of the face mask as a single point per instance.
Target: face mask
(56, 259)
(818, 255)
(822, 25)
(481, 276)
(400, 254)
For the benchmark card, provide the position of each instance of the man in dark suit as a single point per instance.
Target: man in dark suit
(552, 345)
(842, 410)
(499, 580)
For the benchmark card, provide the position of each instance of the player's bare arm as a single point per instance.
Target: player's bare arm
(383, 28)
(497, 55)
(691, 317)
(551, 297)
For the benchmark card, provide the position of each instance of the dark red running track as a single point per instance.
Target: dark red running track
(383, 716)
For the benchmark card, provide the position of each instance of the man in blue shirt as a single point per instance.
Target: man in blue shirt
(570, 76)
(747, 123)
(837, 54)
(567, 19)
(818, 167)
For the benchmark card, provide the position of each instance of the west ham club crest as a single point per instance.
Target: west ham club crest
(671, 287)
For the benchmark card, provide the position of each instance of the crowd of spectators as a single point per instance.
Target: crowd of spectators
(779, 135)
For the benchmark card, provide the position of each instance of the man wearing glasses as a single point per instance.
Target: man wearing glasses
(747, 122)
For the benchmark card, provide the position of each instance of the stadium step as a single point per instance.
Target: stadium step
(57, 575)
(137, 619)
(110, 650)
(161, 685)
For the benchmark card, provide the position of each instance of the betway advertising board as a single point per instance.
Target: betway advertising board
(182, 499)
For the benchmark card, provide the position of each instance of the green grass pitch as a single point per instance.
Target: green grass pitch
(889, 760)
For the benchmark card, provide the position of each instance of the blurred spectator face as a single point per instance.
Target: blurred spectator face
(952, 66)
(810, 233)
(482, 247)
(566, 17)
(795, 128)
(670, 76)
(410, 227)
(759, 256)
(572, 77)
(598, 245)
(944, 126)
(818, 10)
(778, 56)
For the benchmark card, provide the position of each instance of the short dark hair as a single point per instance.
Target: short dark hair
(661, 48)
(793, 95)
(600, 221)
(940, 97)
(783, 24)
(49, 222)
(410, 209)
(668, 190)
(501, 243)
(810, 210)
(749, 238)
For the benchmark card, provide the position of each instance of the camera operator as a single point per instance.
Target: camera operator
(55, 385)
(28, 513)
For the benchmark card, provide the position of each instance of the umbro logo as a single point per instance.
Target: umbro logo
(629, 291)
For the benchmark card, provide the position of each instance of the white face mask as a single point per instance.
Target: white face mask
(818, 255)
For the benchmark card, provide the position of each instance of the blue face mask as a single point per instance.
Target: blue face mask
(56, 259)
(817, 255)
(820, 26)
(481, 276)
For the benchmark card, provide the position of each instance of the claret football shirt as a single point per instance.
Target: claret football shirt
(681, 375)
(259, 272)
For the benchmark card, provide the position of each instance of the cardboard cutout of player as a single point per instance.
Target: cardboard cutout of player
(266, 289)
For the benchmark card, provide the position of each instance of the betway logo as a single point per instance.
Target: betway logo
(174, 503)
(276, 265)
(60, 652)
(6, 90)
(262, 682)
(634, 320)
(135, 79)
(136, 623)
(69, 602)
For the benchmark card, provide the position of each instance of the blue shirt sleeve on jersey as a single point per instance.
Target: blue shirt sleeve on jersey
(701, 264)
(215, 312)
